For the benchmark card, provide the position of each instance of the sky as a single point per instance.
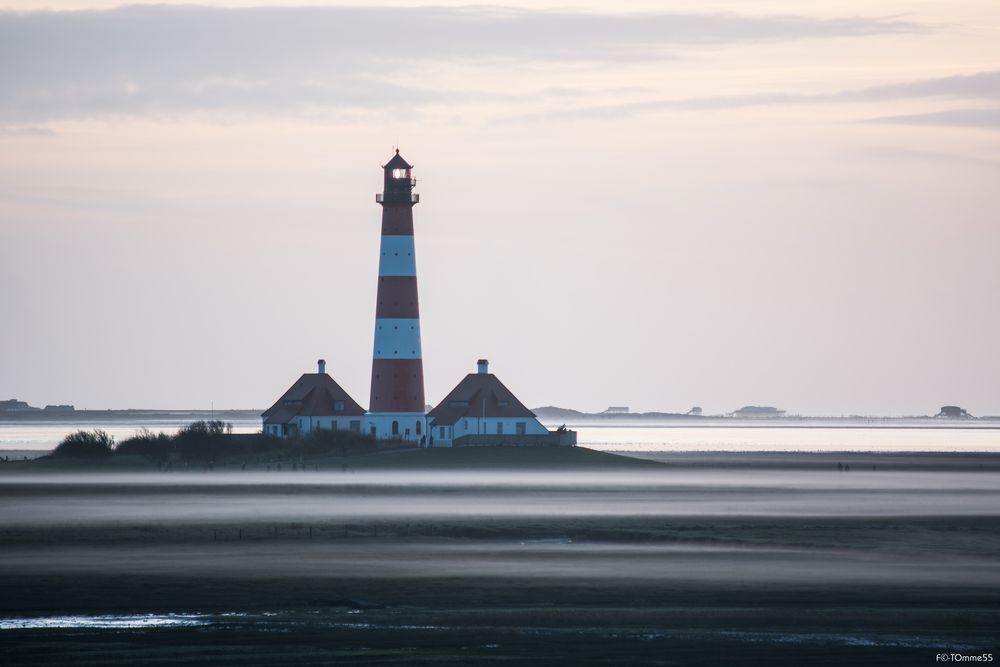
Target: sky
(712, 203)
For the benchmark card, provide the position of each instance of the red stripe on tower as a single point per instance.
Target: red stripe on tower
(396, 409)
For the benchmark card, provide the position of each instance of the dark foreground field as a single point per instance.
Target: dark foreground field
(615, 565)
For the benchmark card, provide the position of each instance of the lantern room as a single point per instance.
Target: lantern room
(399, 182)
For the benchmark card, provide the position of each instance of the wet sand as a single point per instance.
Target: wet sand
(676, 564)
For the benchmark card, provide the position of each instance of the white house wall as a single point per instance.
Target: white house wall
(487, 426)
(309, 424)
(415, 422)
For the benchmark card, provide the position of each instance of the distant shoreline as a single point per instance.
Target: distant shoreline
(559, 416)
(39, 416)
(771, 423)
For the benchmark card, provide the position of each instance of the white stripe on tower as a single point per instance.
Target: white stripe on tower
(398, 257)
(397, 338)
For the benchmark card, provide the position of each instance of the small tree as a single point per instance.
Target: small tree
(86, 444)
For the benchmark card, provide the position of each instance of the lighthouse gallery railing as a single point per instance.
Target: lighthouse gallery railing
(380, 199)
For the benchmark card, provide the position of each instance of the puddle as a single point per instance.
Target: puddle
(278, 621)
(111, 621)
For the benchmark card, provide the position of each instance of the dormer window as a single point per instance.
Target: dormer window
(400, 173)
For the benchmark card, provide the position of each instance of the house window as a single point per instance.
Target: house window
(441, 432)
(395, 428)
(356, 425)
(499, 428)
(465, 424)
(418, 428)
(520, 427)
(338, 406)
(333, 424)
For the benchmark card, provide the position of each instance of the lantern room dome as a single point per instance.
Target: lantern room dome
(397, 162)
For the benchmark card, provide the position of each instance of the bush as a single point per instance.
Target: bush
(203, 440)
(86, 444)
(205, 429)
(267, 444)
(330, 442)
(213, 442)
(157, 448)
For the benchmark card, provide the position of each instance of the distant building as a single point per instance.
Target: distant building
(482, 411)
(757, 412)
(953, 412)
(59, 408)
(695, 411)
(616, 410)
(314, 402)
(14, 405)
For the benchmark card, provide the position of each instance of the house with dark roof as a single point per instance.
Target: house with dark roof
(313, 403)
(480, 410)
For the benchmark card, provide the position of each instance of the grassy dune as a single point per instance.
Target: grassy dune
(405, 458)
(501, 458)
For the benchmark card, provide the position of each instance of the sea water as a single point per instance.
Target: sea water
(718, 435)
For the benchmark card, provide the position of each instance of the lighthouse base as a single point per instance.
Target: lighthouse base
(399, 426)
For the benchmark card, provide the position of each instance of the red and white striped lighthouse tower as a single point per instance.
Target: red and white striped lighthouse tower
(396, 409)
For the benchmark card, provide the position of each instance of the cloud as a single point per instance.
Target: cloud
(26, 132)
(979, 86)
(988, 119)
(159, 59)
(936, 158)
(984, 85)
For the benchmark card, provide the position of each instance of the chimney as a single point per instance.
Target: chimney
(322, 366)
(484, 366)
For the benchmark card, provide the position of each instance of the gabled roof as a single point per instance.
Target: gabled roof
(397, 162)
(312, 395)
(478, 395)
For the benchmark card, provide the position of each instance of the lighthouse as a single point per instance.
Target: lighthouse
(396, 406)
